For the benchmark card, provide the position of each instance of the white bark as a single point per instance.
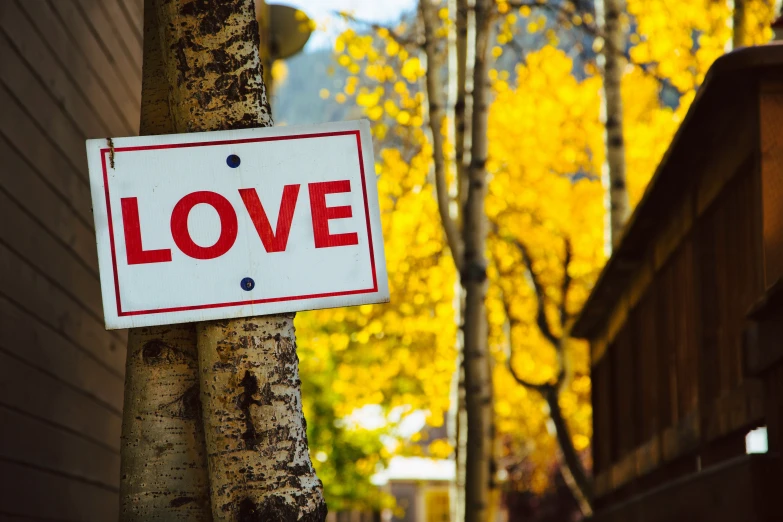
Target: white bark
(259, 464)
(163, 466)
(474, 281)
(463, 107)
(436, 118)
(614, 63)
(163, 458)
(255, 435)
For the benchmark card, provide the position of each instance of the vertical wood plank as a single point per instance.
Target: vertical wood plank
(666, 359)
(708, 320)
(771, 116)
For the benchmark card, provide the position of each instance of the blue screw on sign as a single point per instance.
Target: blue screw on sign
(248, 284)
(233, 161)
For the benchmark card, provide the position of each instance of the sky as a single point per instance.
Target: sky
(329, 26)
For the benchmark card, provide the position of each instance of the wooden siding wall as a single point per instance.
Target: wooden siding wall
(772, 181)
(731, 280)
(69, 70)
(670, 380)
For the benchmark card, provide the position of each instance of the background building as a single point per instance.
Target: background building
(68, 71)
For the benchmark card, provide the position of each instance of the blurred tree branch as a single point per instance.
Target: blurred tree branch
(436, 119)
(573, 469)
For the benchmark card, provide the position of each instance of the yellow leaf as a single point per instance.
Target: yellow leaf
(392, 48)
(411, 69)
(375, 113)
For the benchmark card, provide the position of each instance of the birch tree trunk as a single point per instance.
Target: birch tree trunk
(460, 104)
(256, 444)
(462, 111)
(474, 281)
(456, 408)
(436, 118)
(260, 468)
(614, 62)
(163, 458)
(163, 462)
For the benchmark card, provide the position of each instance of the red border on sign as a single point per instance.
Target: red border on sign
(122, 313)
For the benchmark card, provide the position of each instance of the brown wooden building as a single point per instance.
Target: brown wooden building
(686, 320)
(69, 70)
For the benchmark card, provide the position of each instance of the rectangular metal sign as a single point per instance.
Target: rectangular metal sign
(226, 224)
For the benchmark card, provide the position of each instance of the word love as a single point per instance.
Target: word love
(218, 225)
(272, 240)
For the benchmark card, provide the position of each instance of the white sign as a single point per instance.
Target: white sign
(227, 224)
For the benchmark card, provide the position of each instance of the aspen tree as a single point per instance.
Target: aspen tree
(467, 248)
(462, 111)
(456, 47)
(163, 458)
(609, 13)
(255, 439)
(436, 117)
(473, 275)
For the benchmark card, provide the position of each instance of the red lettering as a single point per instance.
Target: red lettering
(278, 240)
(133, 248)
(181, 234)
(322, 214)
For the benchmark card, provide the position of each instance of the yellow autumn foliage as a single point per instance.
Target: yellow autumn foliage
(401, 354)
(546, 153)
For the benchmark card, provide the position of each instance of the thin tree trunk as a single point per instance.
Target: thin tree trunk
(461, 437)
(436, 119)
(456, 134)
(738, 21)
(474, 280)
(256, 444)
(463, 109)
(163, 458)
(460, 104)
(494, 488)
(614, 62)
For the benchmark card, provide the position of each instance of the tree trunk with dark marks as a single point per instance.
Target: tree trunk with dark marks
(478, 402)
(260, 467)
(256, 442)
(462, 123)
(461, 103)
(164, 473)
(211, 63)
(163, 457)
(614, 63)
